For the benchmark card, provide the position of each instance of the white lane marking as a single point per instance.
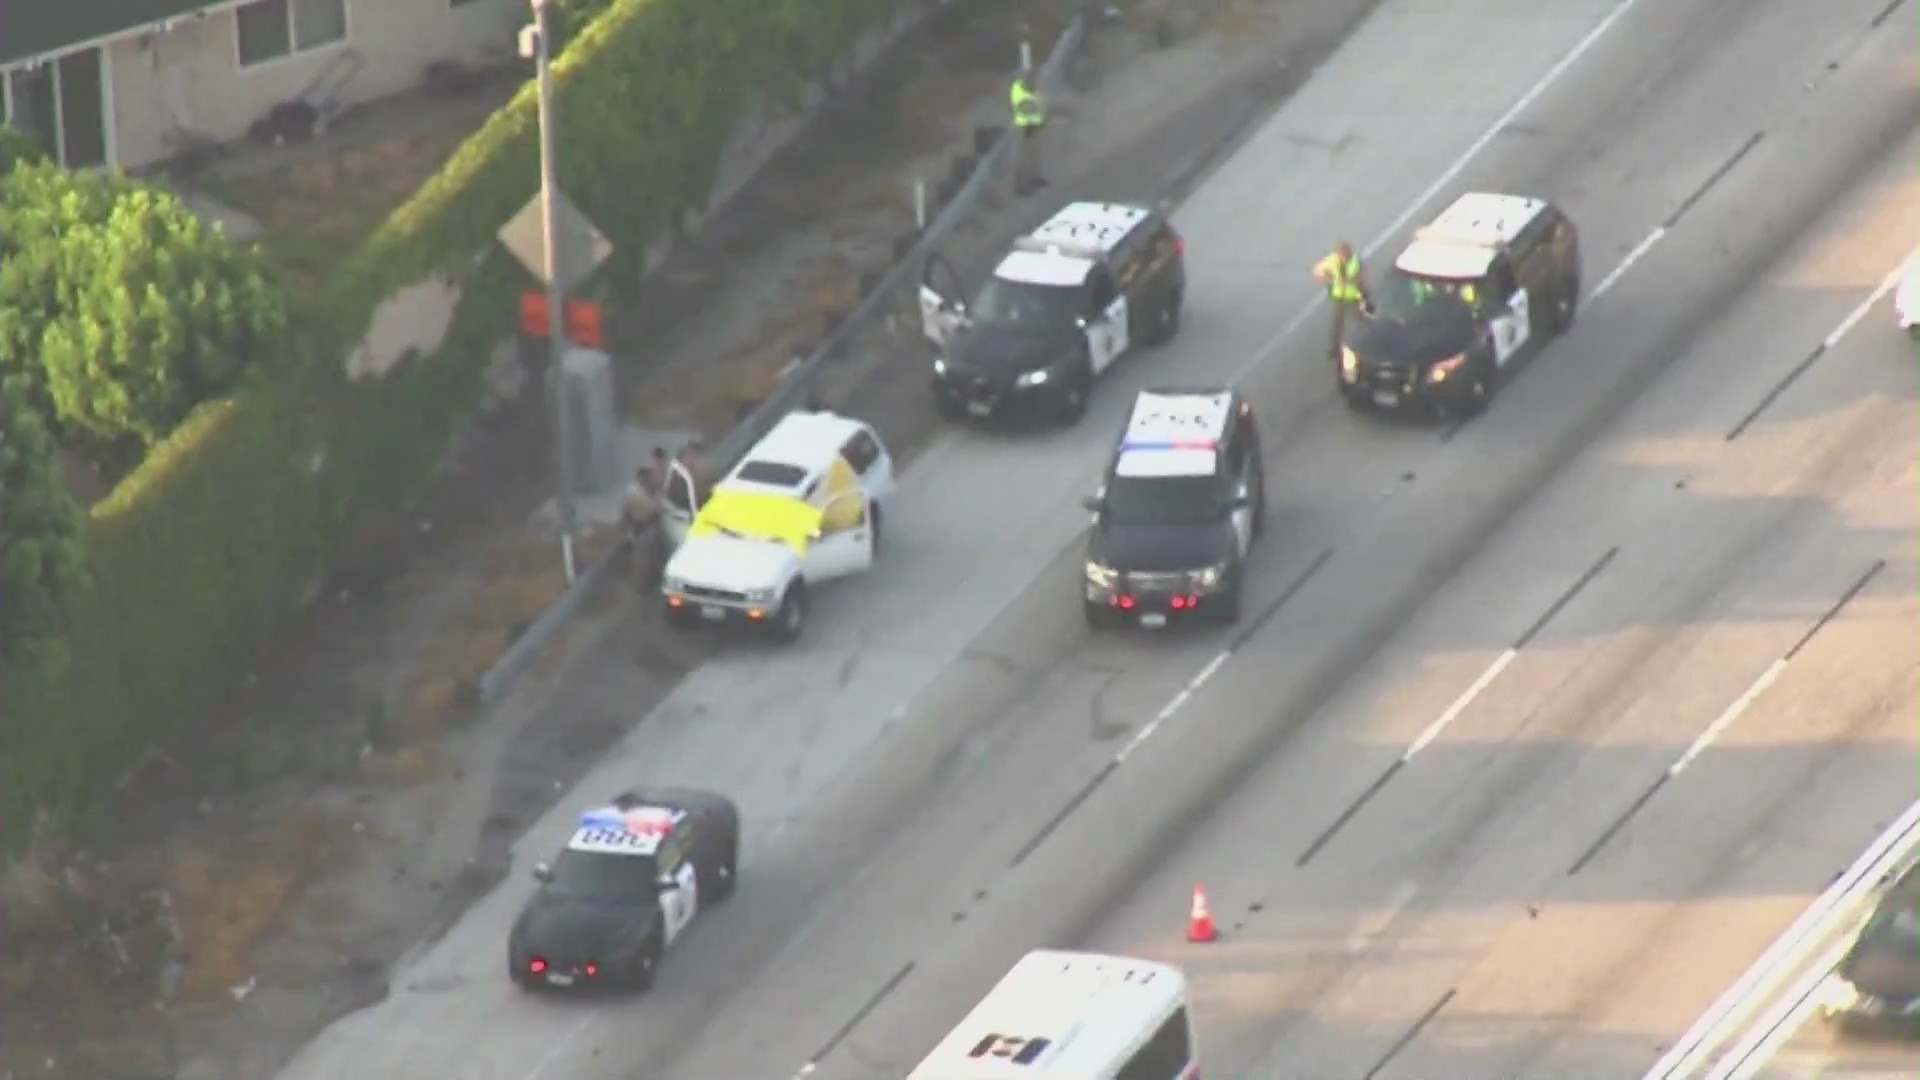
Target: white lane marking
(1634, 256)
(1853, 317)
(1180, 699)
(1207, 672)
(560, 1046)
(1747, 991)
(1460, 703)
(1459, 165)
(1751, 1053)
(1372, 928)
(1729, 715)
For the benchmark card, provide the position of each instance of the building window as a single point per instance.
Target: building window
(272, 29)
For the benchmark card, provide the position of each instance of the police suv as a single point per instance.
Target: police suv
(1183, 501)
(1061, 307)
(629, 881)
(1490, 280)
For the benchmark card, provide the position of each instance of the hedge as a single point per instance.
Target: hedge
(209, 548)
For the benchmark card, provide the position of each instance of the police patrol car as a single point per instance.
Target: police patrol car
(801, 508)
(1061, 307)
(627, 884)
(1490, 280)
(1182, 503)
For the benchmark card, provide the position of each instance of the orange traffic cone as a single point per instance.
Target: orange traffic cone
(1200, 922)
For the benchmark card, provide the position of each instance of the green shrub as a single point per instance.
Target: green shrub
(43, 569)
(130, 309)
(210, 546)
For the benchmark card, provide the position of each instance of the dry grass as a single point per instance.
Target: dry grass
(316, 213)
(230, 892)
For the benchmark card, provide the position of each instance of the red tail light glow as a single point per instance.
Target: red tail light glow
(592, 970)
(536, 965)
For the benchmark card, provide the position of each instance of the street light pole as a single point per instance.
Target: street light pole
(556, 299)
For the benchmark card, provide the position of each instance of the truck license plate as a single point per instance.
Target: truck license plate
(979, 408)
(1386, 397)
(1153, 620)
(558, 979)
(712, 612)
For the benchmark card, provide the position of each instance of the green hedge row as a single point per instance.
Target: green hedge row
(206, 551)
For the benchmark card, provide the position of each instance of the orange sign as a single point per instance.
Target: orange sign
(582, 318)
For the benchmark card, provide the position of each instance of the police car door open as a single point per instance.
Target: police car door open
(1511, 327)
(941, 308)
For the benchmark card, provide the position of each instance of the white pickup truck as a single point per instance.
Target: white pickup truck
(802, 507)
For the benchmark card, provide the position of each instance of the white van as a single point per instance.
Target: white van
(1073, 1014)
(802, 507)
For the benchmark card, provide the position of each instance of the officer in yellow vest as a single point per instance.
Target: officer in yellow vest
(1029, 118)
(1346, 292)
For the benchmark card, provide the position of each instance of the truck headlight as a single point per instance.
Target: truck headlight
(1349, 364)
(1207, 576)
(1440, 371)
(1837, 995)
(1033, 378)
(1100, 575)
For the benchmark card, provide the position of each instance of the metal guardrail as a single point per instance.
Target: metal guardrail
(798, 384)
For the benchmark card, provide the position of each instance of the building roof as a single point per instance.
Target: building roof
(37, 28)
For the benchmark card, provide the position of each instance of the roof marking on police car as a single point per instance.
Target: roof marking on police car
(636, 831)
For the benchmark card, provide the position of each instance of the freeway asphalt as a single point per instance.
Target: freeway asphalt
(898, 766)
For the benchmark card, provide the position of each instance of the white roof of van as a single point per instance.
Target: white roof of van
(1056, 1015)
(807, 441)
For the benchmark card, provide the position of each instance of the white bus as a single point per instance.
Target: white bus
(1084, 1016)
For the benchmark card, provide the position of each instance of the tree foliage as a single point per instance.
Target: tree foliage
(132, 310)
(42, 563)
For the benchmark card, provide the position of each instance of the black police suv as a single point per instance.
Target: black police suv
(1877, 983)
(1181, 504)
(1489, 282)
(1061, 307)
(628, 883)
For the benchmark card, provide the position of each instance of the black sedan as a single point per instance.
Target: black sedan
(627, 884)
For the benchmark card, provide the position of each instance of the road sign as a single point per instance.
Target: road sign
(582, 247)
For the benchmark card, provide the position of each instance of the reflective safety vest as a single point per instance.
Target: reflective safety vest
(1028, 111)
(1343, 282)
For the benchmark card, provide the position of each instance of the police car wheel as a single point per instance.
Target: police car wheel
(640, 972)
(792, 616)
(1098, 617)
(1355, 402)
(876, 531)
(1168, 323)
(1567, 307)
(948, 408)
(1073, 401)
(1226, 606)
(680, 618)
(724, 877)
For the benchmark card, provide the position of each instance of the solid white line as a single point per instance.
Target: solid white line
(1853, 317)
(1460, 704)
(1751, 1053)
(1740, 998)
(1459, 165)
(560, 1046)
(1207, 672)
(1729, 715)
(1634, 256)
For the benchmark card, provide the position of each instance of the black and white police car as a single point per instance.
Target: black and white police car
(1877, 983)
(627, 884)
(1181, 505)
(1491, 279)
(1070, 299)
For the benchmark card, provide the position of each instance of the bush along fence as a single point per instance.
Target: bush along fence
(216, 541)
(957, 198)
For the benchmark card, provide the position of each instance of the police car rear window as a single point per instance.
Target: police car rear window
(772, 473)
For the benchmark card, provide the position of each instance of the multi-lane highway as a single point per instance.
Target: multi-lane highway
(1536, 731)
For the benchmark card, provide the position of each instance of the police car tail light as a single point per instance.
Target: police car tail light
(1177, 603)
(592, 970)
(1124, 601)
(536, 965)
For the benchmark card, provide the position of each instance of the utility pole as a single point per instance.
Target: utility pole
(556, 294)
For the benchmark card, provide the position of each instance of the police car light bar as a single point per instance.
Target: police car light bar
(1170, 444)
(641, 821)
